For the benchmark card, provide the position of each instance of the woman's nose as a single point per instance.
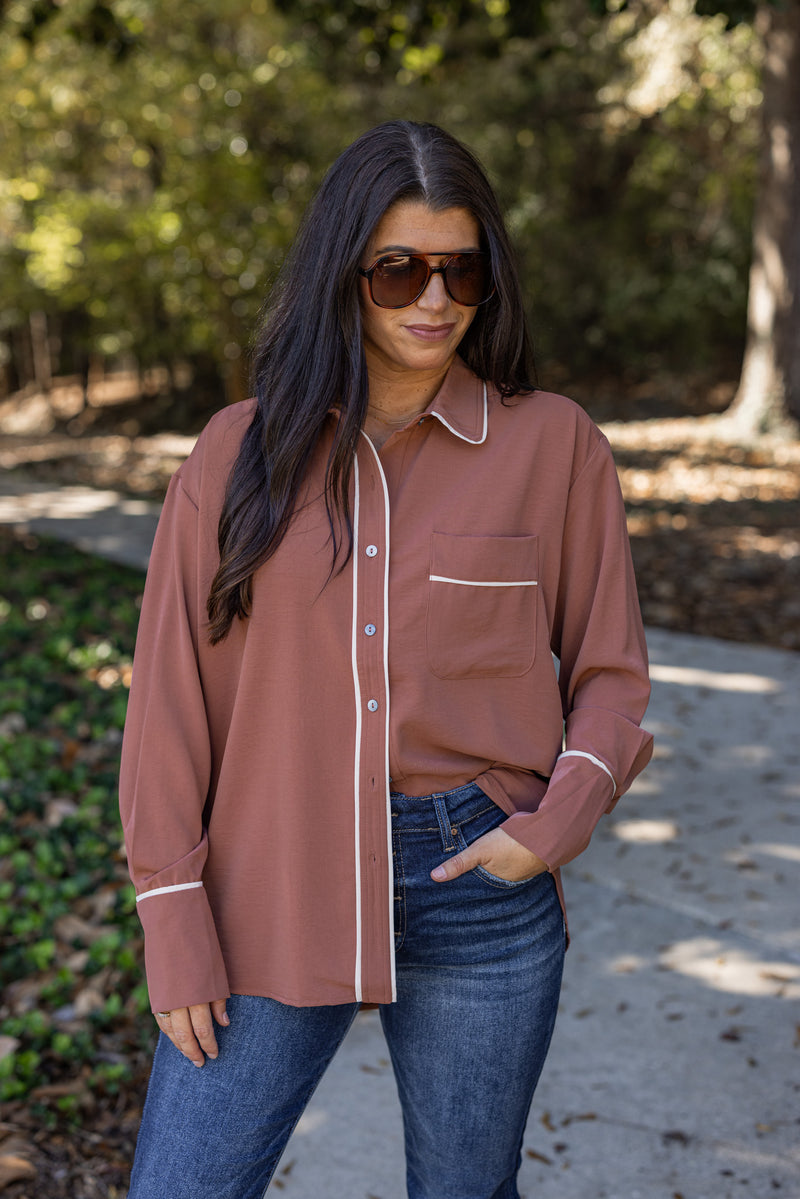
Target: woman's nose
(434, 297)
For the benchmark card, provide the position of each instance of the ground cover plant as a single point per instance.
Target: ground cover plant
(73, 1031)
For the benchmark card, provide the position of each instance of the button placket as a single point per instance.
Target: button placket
(377, 882)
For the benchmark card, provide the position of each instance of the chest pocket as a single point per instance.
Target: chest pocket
(482, 601)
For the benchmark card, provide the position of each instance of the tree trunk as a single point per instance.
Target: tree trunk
(40, 350)
(768, 398)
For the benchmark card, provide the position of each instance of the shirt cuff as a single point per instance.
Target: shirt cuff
(183, 958)
(578, 794)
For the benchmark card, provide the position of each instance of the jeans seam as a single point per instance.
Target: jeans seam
(445, 824)
(400, 883)
(476, 815)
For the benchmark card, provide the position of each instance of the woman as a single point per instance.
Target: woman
(343, 778)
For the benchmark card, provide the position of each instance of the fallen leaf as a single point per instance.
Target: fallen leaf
(71, 928)
(676, 1137)
(14, 1164)
(8, 1045)
(539, 1157)
(55, 1090)
(13, 1168)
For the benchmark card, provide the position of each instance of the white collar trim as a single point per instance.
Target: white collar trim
(472, 440)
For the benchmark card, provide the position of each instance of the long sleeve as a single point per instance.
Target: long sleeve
(165, 772)
(597, 636)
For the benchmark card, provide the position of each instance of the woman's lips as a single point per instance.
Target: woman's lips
(431, 332)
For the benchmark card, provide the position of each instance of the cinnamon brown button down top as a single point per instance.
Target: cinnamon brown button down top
(256, 773)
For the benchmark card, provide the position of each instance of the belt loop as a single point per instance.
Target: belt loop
(442, 815)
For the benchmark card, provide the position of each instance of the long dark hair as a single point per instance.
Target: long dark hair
(309, 356)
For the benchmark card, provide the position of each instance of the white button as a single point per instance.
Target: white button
(370, 630)
(372, 704)
(372, 551)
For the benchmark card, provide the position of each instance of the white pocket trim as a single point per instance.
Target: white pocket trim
(485, 582)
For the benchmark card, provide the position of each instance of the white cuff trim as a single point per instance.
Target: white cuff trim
(581, 753)
(166, 890)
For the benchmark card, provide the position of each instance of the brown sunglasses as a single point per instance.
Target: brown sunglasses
(397, 280)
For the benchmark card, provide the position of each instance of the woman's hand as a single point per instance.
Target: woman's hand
(498, 853)
(191, 1029)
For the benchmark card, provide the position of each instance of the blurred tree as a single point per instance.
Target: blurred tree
(769, 390)
(768, 395)
(154, 167)
(155, 163)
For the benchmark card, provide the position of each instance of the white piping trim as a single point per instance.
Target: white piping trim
(166, 890)
(471, 440)
(386, 685)
(581, 753)
(484, 583)
(357, 763)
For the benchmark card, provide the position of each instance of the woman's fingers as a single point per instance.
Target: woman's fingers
(203, 1029)
(498, 853)
(219, 1013)
(177, 1025)
(191, 1029)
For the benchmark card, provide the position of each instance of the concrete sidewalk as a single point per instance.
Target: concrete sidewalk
(675, 1067)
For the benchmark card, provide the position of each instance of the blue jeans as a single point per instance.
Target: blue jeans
(479, 964)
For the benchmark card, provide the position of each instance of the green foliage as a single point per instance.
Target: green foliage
(69, 938)
(734, 11)
(156, 161)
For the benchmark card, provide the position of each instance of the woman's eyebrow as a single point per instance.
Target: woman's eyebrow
(430, 253)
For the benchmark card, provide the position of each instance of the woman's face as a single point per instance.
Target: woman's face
(424, 336)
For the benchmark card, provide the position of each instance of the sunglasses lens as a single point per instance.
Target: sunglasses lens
(399, 280)
(469, 279)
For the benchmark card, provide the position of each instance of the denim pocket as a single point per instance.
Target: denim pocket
(464, 834)
(503, 884)
(482, 602)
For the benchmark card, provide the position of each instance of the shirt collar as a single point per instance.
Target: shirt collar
(461, 404)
